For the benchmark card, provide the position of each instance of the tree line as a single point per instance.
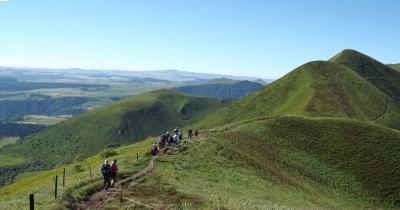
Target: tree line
(16, 129)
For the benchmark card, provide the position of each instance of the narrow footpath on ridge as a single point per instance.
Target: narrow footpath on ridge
(98, 199)
(387, 109)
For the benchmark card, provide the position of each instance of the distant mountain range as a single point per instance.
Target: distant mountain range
(169, 75)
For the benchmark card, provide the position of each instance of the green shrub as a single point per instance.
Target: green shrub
(108, 153)
(79, 158)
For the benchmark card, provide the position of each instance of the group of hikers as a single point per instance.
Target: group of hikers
(170, 139)
(109, 171)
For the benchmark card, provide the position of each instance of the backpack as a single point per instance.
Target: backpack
(104, 169)
(153, 151)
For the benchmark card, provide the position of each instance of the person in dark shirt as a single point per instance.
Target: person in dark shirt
(106, 172)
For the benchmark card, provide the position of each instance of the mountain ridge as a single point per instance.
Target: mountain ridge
(167, 74)
(319, 89)
(380, 75)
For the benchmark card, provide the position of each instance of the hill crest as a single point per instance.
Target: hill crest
(325, 89)
(380, 75)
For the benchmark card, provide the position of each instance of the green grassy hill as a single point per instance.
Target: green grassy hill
(113, 125)
(314, 89)
(325, 89)
(282, 162)
(383, 77)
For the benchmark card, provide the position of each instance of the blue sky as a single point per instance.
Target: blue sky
(265, 38)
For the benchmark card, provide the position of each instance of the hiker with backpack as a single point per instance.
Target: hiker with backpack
(196, 133)
(106, 172)
(154, 151)
(177, 136)
(114, 170)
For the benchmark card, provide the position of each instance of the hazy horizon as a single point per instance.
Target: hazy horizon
(265, 39)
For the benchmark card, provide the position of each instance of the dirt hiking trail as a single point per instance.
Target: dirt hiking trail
(98, 199)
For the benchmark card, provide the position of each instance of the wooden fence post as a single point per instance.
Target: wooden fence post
(55, 188)
(31, 202)
(90, 171)
(64, 177)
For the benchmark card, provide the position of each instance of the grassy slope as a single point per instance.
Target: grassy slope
(6, 159)
(314, 89)
(119, 123)
(77, 184)
(381, 76)
(284, 162)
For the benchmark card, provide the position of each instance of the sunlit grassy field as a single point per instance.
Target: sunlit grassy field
(43, 119)
(7, 141)
(77, 182)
